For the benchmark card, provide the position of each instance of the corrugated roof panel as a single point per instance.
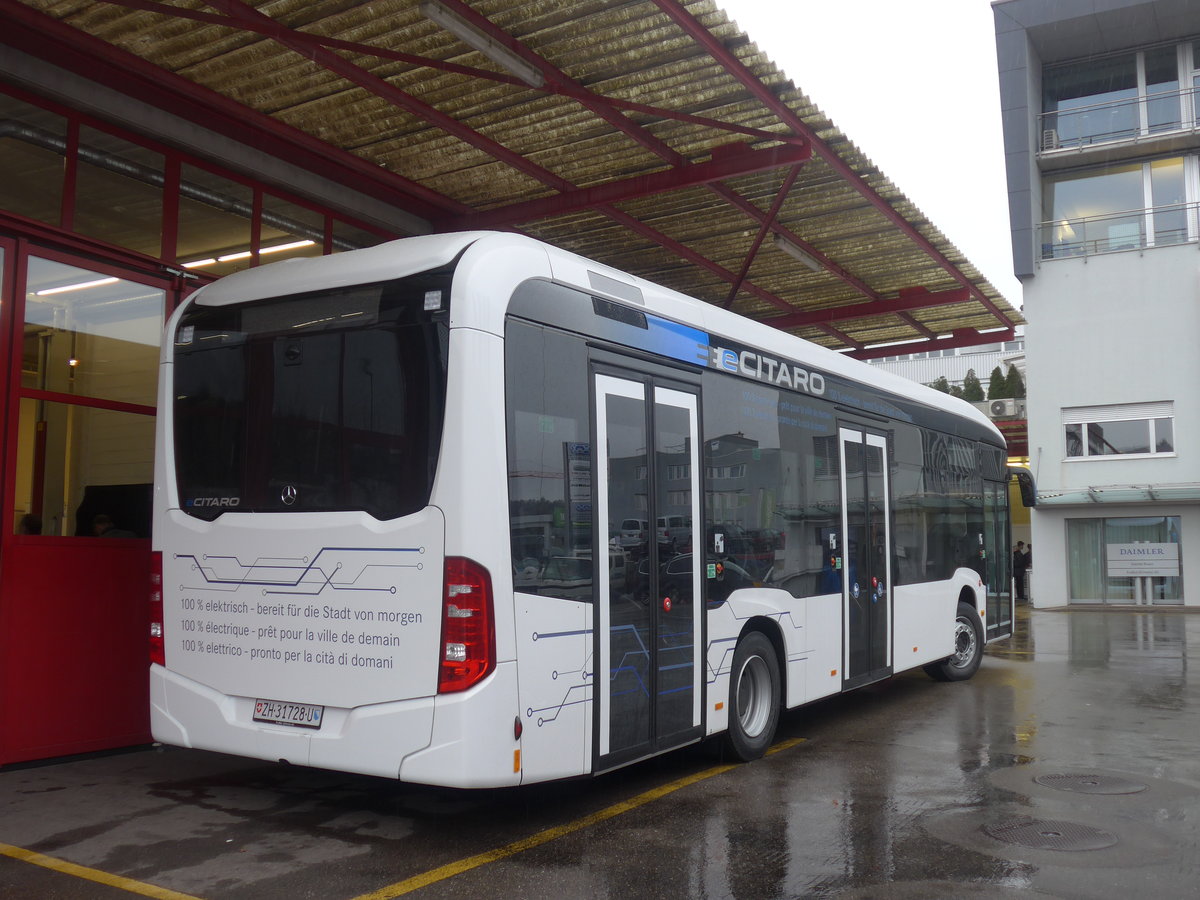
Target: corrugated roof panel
(630, 51)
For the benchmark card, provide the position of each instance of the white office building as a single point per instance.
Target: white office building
(1101, 110)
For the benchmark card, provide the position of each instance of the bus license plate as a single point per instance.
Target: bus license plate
(301, 715)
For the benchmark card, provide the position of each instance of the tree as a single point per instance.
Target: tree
(956, 391)
(997, 385)
(1016, 385)
(941, 385)
(972, 390)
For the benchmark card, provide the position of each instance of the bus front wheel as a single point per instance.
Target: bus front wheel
(754, 697)
(968, 648)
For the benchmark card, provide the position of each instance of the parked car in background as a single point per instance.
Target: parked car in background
(674, 532)
(634, 533)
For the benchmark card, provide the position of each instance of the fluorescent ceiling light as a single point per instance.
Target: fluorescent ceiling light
(473, 37)
(279, 248)
(82, 285)
(919, 340)
(991, 330)
(795, 252)
(245, 254)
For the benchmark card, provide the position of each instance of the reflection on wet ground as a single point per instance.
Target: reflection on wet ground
(896, 790)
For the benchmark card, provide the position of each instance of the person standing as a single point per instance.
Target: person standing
(1020, 563)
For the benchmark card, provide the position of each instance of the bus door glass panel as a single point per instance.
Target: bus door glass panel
(866, 535)
(625, 613)
(647, 619)
(998, 559)
(677, 499)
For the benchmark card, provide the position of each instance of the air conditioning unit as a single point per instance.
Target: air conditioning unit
(1050, 139)
(1002, 409)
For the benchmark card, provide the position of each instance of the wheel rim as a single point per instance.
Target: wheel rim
(965, 643)
(753, 697)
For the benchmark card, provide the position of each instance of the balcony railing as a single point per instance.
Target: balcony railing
(1132, 118)
(1135, 229)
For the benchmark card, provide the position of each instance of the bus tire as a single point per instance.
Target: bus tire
(968, 648)
(754, 697)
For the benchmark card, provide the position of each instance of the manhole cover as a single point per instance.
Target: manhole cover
(1044, 834)
(1091, 784)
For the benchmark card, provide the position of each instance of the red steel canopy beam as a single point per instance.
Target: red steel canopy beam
(722, 165)
(692, 27)
(690, 255)
(780, 196)
(916, 326)
(908, 300)
(843, 337)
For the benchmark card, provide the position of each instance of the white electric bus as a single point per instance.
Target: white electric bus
(390, 491)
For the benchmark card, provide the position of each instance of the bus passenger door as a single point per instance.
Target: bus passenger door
(649, 615)
(866, 557)
(999, 560)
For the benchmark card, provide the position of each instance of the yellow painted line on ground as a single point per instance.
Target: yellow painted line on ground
(69, 868)
(449, 870)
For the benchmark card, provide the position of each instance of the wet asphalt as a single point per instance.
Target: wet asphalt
(1066, 768)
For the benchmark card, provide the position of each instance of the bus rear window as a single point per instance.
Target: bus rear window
(325, 401)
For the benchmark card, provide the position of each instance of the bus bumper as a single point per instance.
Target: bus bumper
(370, 740)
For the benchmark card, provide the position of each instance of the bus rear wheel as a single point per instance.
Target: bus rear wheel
(754, 697)
(968, 648)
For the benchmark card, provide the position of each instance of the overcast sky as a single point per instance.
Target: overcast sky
(914, 85)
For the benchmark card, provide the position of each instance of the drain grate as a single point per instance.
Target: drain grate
(1045, 834)
(1091, 784)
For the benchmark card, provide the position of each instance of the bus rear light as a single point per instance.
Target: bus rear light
(157, 634)
(468, 626)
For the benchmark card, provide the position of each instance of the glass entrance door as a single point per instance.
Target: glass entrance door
(866, 542)
(650, 603)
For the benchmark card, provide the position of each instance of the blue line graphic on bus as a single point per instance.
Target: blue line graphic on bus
(719, 655)
(580, 692)
(335, 568)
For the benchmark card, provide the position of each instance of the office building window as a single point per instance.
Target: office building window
(1126, 206)
(1133, 429)
(1121, 97)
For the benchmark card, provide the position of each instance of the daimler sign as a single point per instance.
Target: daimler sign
(1143, 560)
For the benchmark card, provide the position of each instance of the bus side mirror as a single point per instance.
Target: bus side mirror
(1025, 483)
